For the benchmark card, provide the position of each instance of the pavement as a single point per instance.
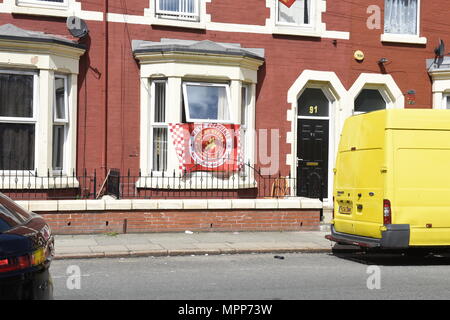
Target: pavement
(188, 243)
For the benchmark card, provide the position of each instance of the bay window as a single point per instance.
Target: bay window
(215, 87)
(38, 109)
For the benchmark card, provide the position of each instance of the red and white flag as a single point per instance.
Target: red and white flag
(207, 146)
(288, 3)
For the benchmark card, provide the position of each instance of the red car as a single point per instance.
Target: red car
(26, 251)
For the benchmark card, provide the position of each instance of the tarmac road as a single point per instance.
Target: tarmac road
(254, 276)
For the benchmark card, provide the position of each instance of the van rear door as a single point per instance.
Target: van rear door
(359, 179)
(421, 184)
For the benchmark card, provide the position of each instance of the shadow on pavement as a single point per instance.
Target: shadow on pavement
(392, 258)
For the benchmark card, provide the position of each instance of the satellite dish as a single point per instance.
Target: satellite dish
(440, 50)
(77, 27)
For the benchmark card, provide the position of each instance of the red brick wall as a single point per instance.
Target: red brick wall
(179, 221)
(252, 12)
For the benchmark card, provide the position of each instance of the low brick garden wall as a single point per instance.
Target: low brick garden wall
(139, 216)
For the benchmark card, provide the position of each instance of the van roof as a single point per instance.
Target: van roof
(424, 119)
(367, 131)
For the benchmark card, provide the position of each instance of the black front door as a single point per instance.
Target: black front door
(312, 158)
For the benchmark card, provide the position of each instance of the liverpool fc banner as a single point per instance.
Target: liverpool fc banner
(207, 146)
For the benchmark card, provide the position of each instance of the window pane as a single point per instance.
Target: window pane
(58, 146)
(16, 146)
(159, 149)
(160, 102)
(60, 97)
(207, 102)
(16, 95)
(298, 13)
(185, 6)
(400, 16)
(448, 102)
(313, 103)
(244, 102)
(369, 100)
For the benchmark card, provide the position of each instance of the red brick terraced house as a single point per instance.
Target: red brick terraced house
(173, 115)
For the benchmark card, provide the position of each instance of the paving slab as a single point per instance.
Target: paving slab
(196, 243)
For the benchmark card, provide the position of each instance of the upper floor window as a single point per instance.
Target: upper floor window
(178, 9)
(299, 14)
(401, 17)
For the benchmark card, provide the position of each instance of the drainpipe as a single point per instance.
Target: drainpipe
(106, 72)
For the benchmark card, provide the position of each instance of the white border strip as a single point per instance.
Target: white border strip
(109, 204)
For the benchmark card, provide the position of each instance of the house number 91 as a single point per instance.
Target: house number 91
(313, 109)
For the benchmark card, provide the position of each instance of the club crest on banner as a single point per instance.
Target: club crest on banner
(207, 146)
(211, 145)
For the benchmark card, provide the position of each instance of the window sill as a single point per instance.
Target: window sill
(177, 23)
(36, 9)
(295, 31)
(402, 38)
(37, 183)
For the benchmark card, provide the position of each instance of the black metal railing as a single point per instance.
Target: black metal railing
(243, 182)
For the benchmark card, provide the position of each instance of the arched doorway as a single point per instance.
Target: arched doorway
(313, 142)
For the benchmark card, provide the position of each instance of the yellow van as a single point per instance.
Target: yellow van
(392, 180)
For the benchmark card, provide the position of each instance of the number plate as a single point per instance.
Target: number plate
(345, 209)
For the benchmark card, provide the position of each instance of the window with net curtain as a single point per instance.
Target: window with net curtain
(17, 121)
(298, 14)
(400, 16)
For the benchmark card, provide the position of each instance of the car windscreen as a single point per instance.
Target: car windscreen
(9, 219)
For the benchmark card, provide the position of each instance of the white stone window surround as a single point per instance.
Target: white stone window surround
(46, 60)
(177, 68)
(407, 38)
(384, 83)
(440, 74)
(47, 8)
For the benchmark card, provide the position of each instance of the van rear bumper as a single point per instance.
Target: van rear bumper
(396, 236)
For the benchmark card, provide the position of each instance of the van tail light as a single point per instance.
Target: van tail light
(387, 212)
(332, 211)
